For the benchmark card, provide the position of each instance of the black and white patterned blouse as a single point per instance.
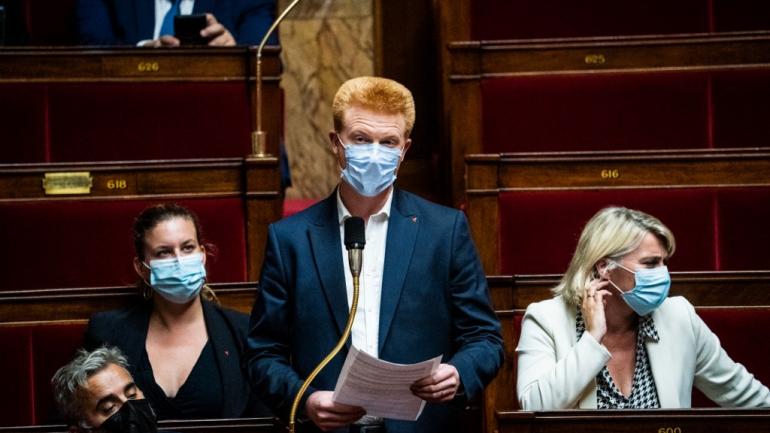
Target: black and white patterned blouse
(643, 392)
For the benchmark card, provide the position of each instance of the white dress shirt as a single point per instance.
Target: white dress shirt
(366, 325)
(163, 6)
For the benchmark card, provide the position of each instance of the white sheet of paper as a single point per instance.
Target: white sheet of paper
(382, 387)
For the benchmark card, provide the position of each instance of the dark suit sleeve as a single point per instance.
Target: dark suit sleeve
(268, 343)
(95, 23)
(255, 19)
(475, 325)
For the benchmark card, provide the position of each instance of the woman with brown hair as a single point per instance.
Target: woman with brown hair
(184, 350)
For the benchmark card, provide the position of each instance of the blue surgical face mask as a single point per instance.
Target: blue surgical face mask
(178, 279)
(371, 167)
(650, 291)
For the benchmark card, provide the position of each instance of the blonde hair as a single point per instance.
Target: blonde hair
(610, 234)
(377, 94)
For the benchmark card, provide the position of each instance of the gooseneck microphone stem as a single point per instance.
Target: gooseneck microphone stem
(355, 239)
(328, 358)
(258, 137)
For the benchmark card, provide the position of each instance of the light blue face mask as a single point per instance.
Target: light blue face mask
(651, 289)
(371, 167)
(178, 279)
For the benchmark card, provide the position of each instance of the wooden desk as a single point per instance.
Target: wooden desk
(47, 84)
(702, 289)
(253, 181)
(636, 421)
(245, 425)
(469, 63)
(78, 304)
(492, 176)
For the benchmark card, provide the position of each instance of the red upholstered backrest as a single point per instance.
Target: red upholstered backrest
(123, 121)
(50, 22)
(741, 15)
(595, 112)
(539, 229)
(514, 19)
(744, 228)
(22, 132)
(743, 334)
(81, 243)
(17, 400)
(130, 121)
(31, 355)
(741, 108)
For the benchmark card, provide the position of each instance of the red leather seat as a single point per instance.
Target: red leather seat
(740, 107)
(124, 121)
(595, 112)
(31, 355)
(129, 121)
(522, 19)
(539, 229)
(22, 124)
(50, 22)
(82, 243)
(743, 217)
(741, 330)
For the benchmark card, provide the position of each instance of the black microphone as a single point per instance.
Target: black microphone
(355, 239)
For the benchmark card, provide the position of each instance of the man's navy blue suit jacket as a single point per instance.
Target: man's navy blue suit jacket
(126, 22)
(435, 301)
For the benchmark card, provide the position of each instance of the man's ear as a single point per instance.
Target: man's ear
(333, 142)
(407, 143)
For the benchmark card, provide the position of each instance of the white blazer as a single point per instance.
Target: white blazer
(556, 371)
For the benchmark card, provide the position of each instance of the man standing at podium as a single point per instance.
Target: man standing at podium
(423, 290)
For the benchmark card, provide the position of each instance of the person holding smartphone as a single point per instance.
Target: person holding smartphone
(150, 23)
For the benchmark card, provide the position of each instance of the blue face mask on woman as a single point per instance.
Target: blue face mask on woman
(371, 167)
(178, 279)
(650, 291)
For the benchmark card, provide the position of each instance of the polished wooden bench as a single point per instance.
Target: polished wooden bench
(633, 421)
(521, 19)
(238, 425)
(70, 224)
(607, 93)
(526, 211)
(116, 104)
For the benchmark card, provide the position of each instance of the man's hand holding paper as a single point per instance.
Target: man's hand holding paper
(440, 386)
(384, 389)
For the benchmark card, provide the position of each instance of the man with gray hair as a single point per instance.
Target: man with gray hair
(95, 392)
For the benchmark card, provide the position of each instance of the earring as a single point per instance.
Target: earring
(146, 291)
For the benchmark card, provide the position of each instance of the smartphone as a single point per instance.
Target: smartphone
(187, 28)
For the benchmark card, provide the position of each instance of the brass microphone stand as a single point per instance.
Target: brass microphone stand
(258, 137)
(328, 358)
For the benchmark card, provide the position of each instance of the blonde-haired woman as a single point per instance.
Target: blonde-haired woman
(612, 339)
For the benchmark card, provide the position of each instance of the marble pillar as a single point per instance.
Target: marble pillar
(325, 42)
